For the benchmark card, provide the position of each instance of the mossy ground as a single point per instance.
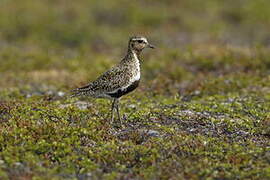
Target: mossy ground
(202, 110)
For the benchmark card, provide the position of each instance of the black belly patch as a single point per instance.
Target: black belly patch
(122, 92)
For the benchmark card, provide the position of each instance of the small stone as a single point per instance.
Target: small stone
(197, 92)
(153, 133)
(187, 112)
(204, 143)
(89, 174)
(82, 105)
(132, 106)
(60, 93)
(192, 130)
(63, 106)
(17, 164)
(50, 92)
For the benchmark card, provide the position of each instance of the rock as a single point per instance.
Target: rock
(131, 106)
(153, 133)
(63, 106)
(60, 93)
(82, 105)
(149, 132)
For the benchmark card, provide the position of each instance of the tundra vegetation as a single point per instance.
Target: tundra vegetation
(201, 111)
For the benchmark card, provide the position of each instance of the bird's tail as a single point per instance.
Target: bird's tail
(83, 91)
(75, 93)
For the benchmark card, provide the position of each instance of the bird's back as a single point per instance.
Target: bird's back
(115, 82)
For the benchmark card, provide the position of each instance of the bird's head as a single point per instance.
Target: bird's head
(138, 43)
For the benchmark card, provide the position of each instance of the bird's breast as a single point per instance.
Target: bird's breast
(122, 91)
(135, 77)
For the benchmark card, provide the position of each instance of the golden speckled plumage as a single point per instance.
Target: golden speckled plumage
(116, 78)
(120, 79)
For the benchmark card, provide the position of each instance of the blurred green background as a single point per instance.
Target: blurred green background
(87, 37)
(104, 25)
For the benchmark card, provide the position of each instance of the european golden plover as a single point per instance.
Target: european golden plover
(120, 79)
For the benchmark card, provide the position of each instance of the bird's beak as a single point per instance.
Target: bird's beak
(151, 46)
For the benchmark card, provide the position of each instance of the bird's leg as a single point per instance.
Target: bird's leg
(117, 110)
(113, 107)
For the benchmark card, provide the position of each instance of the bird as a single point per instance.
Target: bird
(121, 79)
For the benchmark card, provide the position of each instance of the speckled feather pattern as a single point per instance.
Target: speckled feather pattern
(118, 77)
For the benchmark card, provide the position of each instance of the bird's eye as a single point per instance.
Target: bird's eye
(140, 41)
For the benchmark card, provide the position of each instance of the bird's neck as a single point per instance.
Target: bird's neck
(133, 55)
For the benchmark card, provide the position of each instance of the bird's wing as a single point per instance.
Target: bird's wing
(108, 82)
